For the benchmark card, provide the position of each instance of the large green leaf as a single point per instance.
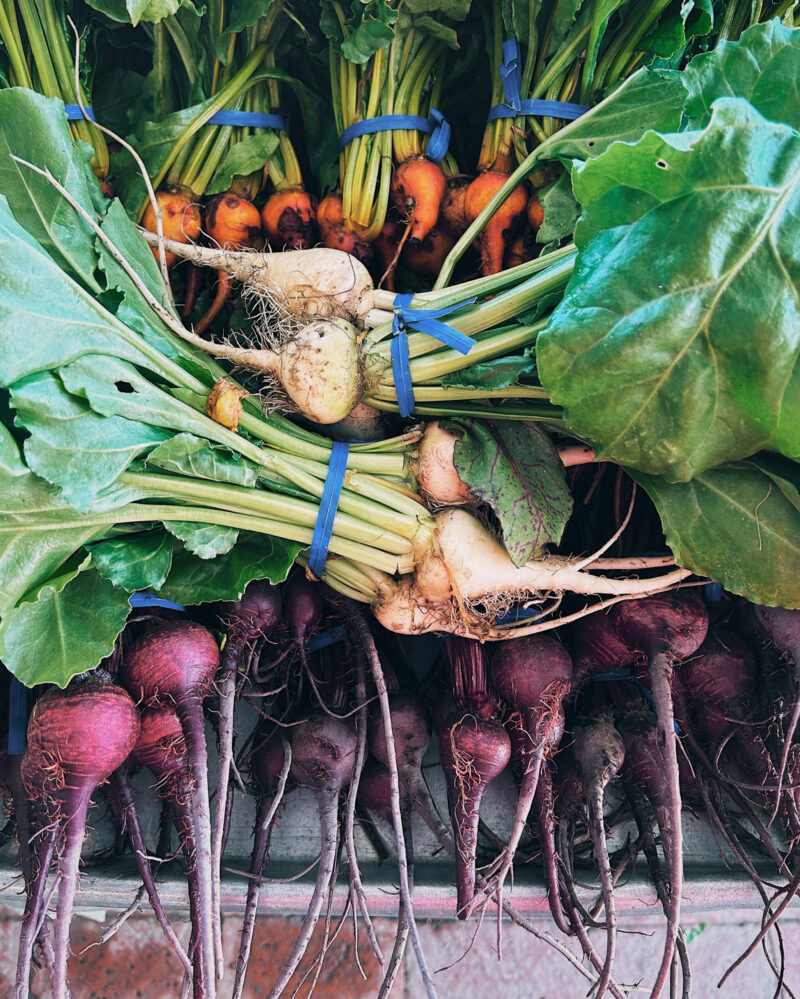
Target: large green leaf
(34, 128)
(761, 66)
(46, 318)
(70, 626)
(72, 446)
(497, 374)
(245, 157)
(203, 540)
(676, 345)
(135, 561)
(738, 524)
(39, 532)
(196, 581)
(185, 454)
(516, 470)
(650, 99)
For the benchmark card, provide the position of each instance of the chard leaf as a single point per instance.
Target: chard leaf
(203, 540)
(762, 66)
(153, 141)
(561, 210)
(39, 532)
(516, 470)
(650, 99)
(196, 581)
(117, 389)
(245, 157)
(185, 454)
(68, 628)
(497, 374)
(456, 10)
(371, 30)
(739, 524)
(60, 319)
(72, 446)
(676, 346)
(34, 128)
(134, 561)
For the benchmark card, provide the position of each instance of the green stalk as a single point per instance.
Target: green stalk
(259, 502)
(10, 35)
(445, 393)
(523, 171)
(528, 411)
(184, 48)
(501, 308)
(228, 93)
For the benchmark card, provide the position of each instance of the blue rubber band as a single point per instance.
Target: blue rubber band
(423, 321)
(329, 501)
(253, 119)
(145, 599)
(329, 637)
(74, 113)
(436, 126)
(514, 107)
(17, 717)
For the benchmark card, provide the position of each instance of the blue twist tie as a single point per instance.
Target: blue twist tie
(145, 599)
(423, 321)
(436, 126)
(74, 113)
(329, 501)
(254, 119)
(514, 106)
(17, 718)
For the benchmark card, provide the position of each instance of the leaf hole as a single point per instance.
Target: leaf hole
(124, 387)
(662, 164)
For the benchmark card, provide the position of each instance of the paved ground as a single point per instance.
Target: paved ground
(135, 964)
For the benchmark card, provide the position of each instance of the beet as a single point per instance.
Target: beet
(76, 739)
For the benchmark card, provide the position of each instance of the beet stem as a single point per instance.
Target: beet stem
(672, 838)
(356, 885)
(328, 820)
(367, 644)
(124, 792)
(267, 810)
(227, 698)
(190, 714)
(598, 834)
(74, 832)
(33, 912)
(401, 937)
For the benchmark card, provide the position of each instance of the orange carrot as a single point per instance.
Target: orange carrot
(232, 223)
(418, 189)
(180, 218)
(452, 216)
(289, 219)
(535, 212)
(334, 233)
(505, 222)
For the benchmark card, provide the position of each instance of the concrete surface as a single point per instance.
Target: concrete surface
(135, 964)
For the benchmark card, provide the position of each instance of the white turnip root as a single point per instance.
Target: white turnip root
(665, 628)
(465, 566)
(318, 283)
(174, 665)
(323, 754)
(599, 752)
(76, 739)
